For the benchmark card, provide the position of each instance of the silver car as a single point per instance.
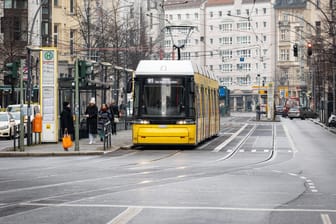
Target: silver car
(7, 125)
(294, 112)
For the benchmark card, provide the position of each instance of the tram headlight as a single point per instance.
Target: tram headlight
(140, 121)
(186, 121)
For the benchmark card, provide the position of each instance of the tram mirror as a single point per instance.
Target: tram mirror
(129, 86)
(192, 86)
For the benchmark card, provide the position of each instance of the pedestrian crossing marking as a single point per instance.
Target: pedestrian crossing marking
(258, 151)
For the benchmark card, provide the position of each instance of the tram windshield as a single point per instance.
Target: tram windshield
(163, 97)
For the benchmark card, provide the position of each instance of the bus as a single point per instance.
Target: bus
(174, 103)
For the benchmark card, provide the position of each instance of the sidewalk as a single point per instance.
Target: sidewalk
(122, 140)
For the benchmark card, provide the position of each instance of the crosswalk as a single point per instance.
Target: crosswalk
(256, 151)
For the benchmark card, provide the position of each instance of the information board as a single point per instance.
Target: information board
(48, 94)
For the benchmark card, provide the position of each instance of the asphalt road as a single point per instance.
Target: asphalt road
(253, 172)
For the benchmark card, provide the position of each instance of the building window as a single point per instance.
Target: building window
(227, 40)
(72, 37)
(226, 55)
(265, 11)
(196, 16)
(227, 67)
(211, 14)
(244, 53)
(55, 35)
(220, 13)
(72, 6)
(244, 26)
(16, 4)
(227, 27)
(238, 12)
(244, 40)
(284, 34)
(284, 55)
(179, 17)
(244, 67)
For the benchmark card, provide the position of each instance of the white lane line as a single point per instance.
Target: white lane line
(289, 137)
(126, 216)
(326, 219)
(227, 141)
(182, 207)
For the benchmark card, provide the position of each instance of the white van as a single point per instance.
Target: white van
(15, 111)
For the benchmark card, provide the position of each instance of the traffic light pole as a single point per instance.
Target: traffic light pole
(29, 92)
(76, 107)
(21, 112)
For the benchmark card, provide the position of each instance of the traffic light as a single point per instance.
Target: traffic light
(309, 49)
(11, 73)
(295, 50)
(84, 70)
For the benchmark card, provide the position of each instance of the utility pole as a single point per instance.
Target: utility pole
(76, 107)
(21, 108)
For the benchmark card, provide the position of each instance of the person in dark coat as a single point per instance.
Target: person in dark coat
(114, 117)
(104, 116)
(67, 123)
(91, 114)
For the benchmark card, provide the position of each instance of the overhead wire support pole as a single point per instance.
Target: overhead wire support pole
(76, 106)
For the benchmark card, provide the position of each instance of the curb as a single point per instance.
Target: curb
(331, 130)
(61, 153)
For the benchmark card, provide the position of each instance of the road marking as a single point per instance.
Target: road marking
(326, 219)
(126, 215)
(227, 141)
(289, 137)
(182, 207)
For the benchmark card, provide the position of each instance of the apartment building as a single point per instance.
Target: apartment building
(234, 39)
(298, 23)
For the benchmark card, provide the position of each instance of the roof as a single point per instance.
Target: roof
(178, 4)
(164, 67)
(171, 67)
(219, 2)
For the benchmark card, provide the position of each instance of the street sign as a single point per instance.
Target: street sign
(49, 96)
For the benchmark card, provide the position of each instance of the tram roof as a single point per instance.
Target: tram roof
(170, 67)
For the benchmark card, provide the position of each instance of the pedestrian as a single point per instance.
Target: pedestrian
(67, 123)
(91, 114)
(114, 116)
(104, 116)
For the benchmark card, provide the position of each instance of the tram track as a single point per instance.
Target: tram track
(239, 147)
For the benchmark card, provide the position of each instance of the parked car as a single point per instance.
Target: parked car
(15, 108)
(294, 112)
(301, 112)
(279, 110)
(306, 112)
(16, 116)
(7, 125)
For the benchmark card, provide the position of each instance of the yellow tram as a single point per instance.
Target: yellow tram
(174, 102)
